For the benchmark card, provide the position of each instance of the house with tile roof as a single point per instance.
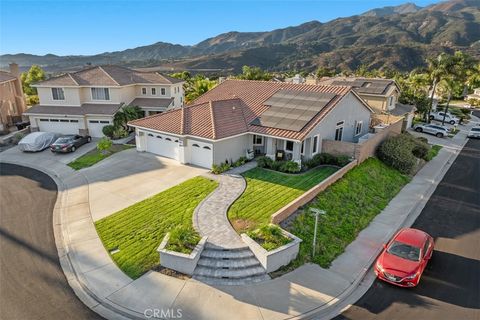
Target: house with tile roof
(280, 120)
(87, 100)
(12, 100)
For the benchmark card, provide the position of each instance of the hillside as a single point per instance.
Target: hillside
(396, 37)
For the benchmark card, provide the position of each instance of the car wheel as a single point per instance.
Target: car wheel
(452, 122)
(439, 135)
(419, 129)
(73, 149)
(89, 139)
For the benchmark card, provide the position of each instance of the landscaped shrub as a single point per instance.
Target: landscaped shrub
(326, 159)
(397, 152)
(420, 149)
(225, 166)
(290, 166)
(343, 161)
(108, 130)
(183, 239)
(104, 145)
(270, 237)
(119, 133)
(264, 162)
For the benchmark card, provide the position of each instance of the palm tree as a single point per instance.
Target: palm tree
(199, 87)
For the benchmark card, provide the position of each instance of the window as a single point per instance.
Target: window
(154, 91)
(57, 94)
(339, 131)
(73, 120)
(302, 149)
(162, 91)
(93, 121)
(257, 140)
(208, 148)
(390, 101)
(53, 120)
(159, 137)
(44, 120)
(425, 248)
(103, 121)
(315, 145)
(168, 139)
(100, 94)
(289, 146)
(358, 127)
(150, 135)
(63, 120)
(195, 145)
(144, 91)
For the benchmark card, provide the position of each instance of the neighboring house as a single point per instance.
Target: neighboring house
(380, 94)
(280, 120)
(475, 95)
(85, 101)
(12, 100)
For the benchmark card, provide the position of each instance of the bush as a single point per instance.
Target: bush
(290, 167)
(326, 159)
(183, 239)
(420, 150)
(108, 130)
(104, 145)
(270, 237)
(264, 162)
(119, 133)
(397, 153)
(343, 161)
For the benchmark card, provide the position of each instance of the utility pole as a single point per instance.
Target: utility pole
(317, 213)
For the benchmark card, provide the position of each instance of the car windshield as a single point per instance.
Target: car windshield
(476, 129)
(404, 251)
(63, 140)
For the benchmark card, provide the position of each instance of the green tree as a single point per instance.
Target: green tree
(126, 114)
(197, 87)
(104, 145)
(32, 76)
(184, 75)
(325, 72)
(254, 73)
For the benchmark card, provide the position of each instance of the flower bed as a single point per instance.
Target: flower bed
(178, 261)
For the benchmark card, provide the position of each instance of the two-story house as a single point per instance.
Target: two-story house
(12, 100)
(85, 101)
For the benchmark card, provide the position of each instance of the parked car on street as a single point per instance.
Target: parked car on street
(405, 257)
(474, 133)
(69, 143)
(449, 118)
(434, 129)
(37, 141)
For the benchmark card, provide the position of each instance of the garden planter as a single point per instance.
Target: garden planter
(181, 262)
(274, 259)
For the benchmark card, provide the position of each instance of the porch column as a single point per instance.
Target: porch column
(269, 148)
(297, 149)
(183, 156)
(140, 140)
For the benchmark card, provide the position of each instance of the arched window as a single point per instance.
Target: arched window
(206, 147)
(195, 145)
(159, 137)
(168, 139)
(150, 135)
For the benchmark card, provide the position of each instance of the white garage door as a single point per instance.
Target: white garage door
(95, 127)
(201, 154)
(162, 145)
(63, 126)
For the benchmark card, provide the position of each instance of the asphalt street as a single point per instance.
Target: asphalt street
(32, 283)
(450, 286)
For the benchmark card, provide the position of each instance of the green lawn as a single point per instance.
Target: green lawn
(268, 191)
(432, 153)
(92, 157)
(138, 230)
(350, 204)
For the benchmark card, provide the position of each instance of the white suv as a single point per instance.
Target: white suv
(449, 118)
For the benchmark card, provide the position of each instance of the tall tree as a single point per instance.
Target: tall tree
(198, 87)
(34, 75)
(254, 73)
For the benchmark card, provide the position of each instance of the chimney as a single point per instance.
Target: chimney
(14, 69)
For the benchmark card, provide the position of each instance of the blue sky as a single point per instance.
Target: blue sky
(90, 27)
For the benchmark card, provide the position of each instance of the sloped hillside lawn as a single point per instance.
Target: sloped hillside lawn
(136, 231)
(267, 191)
(350, 204)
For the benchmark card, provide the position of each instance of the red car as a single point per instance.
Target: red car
(405, 257)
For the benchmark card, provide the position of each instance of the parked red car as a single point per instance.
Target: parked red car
(405, 257)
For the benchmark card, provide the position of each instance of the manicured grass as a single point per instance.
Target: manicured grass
(267, 191)
(92, 157)
(433, 152)
(350, 204)
(138, 230)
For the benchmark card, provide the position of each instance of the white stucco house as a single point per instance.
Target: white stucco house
(85, 101)
(276, 119)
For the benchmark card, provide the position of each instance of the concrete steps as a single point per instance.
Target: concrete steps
(229, 266)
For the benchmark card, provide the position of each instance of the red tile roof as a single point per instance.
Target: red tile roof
(229, 109)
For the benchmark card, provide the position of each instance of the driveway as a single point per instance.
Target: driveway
(129, 176)
(46, 156)
(32, 283)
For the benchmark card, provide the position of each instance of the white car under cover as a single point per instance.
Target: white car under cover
(37, 141)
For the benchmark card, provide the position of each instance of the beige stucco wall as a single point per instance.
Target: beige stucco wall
(72, 97)
(231, 149)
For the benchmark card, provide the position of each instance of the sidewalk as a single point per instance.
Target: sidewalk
(307, 291)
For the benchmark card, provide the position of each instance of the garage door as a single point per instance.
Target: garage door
(63, 126)
(95, 127)
(165, 146)
(201, 154)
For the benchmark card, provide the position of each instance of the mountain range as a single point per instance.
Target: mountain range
(398, 37)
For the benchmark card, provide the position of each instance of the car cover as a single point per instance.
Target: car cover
(37, 141)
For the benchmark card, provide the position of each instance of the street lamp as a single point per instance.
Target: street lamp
(317, 213)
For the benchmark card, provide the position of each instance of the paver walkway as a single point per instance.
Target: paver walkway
(210, 217)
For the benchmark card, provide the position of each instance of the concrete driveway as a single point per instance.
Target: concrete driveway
(47, 155)
(129, 176)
